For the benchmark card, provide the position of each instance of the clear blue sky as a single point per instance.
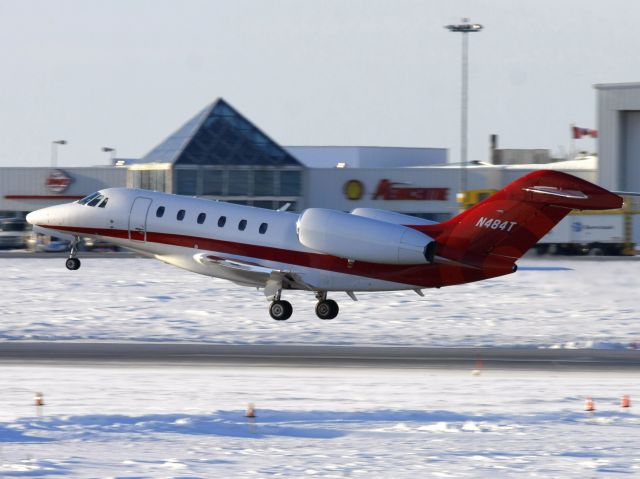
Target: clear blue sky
(125, 74)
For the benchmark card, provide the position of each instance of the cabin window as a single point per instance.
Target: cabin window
(242, 225)
(201, 218)
(263, 228)
(160, 211)
(104, 203)
(180, 215)
(221, 221)
(96, 200)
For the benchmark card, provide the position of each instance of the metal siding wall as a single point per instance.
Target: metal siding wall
(325, 188)
(614, 101)
(31, 181)
(631, 151)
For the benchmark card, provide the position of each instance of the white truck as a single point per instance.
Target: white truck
(613, 232)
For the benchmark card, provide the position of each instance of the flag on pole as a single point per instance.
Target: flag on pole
(580, 132)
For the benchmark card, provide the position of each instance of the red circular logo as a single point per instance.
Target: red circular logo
(58, 181)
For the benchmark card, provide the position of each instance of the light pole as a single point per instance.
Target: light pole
(464, 28)
(54, 151)
(107, 149)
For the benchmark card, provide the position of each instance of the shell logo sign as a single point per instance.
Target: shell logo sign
(353, 189)
(58, 181)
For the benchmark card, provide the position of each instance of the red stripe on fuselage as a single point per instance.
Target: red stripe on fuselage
(427, 275)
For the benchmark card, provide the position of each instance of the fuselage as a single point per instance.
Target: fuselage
(185, 231)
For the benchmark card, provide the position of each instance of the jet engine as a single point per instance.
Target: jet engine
(363, 239)
(391, 217)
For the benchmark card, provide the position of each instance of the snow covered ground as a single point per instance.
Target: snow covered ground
(371, 423)
(592, 304)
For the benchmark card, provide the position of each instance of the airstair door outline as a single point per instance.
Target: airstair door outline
(138, 219)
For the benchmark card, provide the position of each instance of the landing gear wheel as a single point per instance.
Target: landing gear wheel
(72, 264)
(281, 310)
(327, 309)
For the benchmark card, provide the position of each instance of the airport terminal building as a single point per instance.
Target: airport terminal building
(221, 154)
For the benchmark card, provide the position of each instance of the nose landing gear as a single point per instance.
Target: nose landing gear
(72, 262)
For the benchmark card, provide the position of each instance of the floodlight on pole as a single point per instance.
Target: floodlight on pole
(54, 151)
(464, 28)
(110, 150)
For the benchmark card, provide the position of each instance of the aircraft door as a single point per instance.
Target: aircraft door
(138, 219)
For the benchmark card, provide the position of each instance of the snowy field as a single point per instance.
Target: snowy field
(592, 304)
(189, 423)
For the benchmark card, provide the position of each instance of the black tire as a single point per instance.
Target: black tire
(281, 310)
(327, 309)
(72, 264)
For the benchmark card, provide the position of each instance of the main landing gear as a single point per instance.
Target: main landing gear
(281, 310)
(326, 308)
(73, 263)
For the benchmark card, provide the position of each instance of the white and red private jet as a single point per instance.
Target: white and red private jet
(323, 250)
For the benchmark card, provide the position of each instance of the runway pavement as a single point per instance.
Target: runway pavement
(78, 353)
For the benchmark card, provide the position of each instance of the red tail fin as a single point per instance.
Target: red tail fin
(504, 226)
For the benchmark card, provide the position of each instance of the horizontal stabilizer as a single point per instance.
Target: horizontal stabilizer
(500, 229)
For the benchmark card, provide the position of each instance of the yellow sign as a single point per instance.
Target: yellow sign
(353, 189)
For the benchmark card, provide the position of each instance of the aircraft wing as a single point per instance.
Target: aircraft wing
(253, 274)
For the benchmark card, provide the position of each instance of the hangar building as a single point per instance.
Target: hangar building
(619, 135)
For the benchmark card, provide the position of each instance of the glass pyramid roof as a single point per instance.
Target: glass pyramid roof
(219, 135)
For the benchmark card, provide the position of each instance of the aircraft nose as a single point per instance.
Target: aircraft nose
(35, 217)
(31, 218)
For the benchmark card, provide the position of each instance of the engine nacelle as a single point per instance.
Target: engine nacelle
(363, 239)
(391, 217)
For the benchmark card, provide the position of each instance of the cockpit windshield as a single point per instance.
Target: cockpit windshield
(94, 199)
(86, 199)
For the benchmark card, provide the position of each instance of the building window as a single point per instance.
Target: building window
(180, 216)
(186, 181)
(238, 182)
(201, 218)
(213, 182)
(145, 179)
(263, 228)
(221, 221)
(290, 183)
(264, 183)
(160, 211)
(157, 180)
(242, 225)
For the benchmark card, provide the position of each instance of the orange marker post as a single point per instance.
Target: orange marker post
(588, 405)
(626, 401)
